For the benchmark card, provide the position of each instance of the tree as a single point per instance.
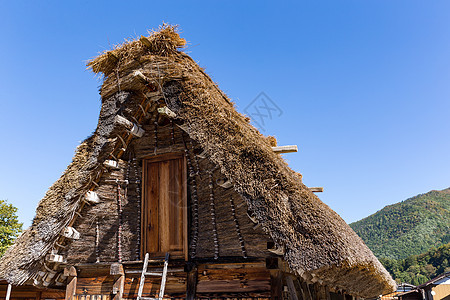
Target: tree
(9, 225)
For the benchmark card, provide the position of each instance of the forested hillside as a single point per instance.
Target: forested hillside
(418, 269)
(410, 227)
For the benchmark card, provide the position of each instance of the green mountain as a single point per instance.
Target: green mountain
(410, 227)
(418, 269)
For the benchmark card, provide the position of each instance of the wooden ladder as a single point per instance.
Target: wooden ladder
(146, 273)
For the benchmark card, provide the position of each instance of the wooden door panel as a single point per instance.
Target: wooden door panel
(164, 202)
(165, 216)
(151, 224)
(175, 206)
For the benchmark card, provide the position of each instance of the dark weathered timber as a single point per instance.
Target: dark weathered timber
(276, 285)
(191, 287)
(118, 273)
(30, 292)
(291, 288)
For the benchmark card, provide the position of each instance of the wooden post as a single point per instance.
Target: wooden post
(309, 291)
(8, 292)
(291, 288)
(119, 280)
(327, 292)
(191, 286)
(71, 287)
(305, 290)
(276, 285)
(321, 291)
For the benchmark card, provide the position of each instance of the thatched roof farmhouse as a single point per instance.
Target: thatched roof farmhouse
(173, 167)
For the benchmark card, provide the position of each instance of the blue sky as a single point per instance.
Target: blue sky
(363, 87)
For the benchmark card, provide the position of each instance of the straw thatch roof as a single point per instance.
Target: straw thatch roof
(319, 245)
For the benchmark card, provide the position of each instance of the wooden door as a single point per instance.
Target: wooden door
(164, 206)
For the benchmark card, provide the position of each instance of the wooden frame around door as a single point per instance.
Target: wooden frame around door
(145, 204)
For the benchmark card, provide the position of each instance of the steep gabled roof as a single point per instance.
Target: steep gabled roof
(318, 244)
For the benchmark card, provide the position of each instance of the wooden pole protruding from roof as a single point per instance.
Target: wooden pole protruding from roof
(71, 233)
(111, 164)
(285, 149)
(316, 189)
(124, 122)
(139, 75)
(224, 182)
(167, 112)
(133, 128)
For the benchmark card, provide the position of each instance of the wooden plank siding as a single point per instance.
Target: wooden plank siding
(26, 292)
(233, 280)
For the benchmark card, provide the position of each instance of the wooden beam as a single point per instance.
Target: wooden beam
(48, 278)
(71, 233)
(92, 197)
(203, 154)
(183, 127)
(55, 257)
(116, 269)
(191, 285)
(224, 182)
(316, 189)
(124, 122)
(167, 112)
(70, 271)
(275, 249)
(252, 217)
(133, 128)
(144, 79)
(285, 149)
(71, 287)
(118, 287)
(112, 164)
(119, 280)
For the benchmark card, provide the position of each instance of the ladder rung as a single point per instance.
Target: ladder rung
(156, 260)
(153, 274)
(169, 270)
(145, 272)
